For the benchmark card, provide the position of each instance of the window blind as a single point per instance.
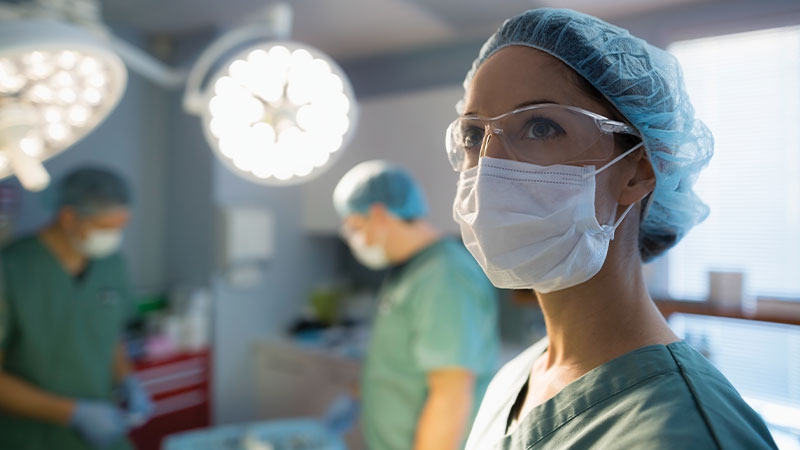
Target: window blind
(746, 88)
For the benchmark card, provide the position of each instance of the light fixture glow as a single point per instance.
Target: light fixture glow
(32, 145)
(93, 96)
(79, 115)
(277, 112)
(57, 132)
(11, 83)
(57, 82)
(53, 114)
(67, 59)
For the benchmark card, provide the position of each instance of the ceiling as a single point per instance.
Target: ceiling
(353, 29)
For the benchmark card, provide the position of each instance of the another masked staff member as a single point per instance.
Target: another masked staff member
(435, 341)
(63, 304)
(578, 147)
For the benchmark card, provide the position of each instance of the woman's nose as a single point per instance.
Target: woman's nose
(492, 145)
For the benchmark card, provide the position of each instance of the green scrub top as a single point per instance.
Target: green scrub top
(436, 311)
(59, 333)
(656, 397)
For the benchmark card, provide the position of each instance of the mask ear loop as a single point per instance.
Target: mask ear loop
(608, 230)
(612, 162)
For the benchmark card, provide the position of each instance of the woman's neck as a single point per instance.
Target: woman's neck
(602, 319)
(591, 324)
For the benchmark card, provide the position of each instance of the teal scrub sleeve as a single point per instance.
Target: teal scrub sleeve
(130, 304)
(449, 321)
(5, 321)
(5, 310)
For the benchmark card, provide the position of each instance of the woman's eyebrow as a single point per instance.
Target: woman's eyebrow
(521, 105)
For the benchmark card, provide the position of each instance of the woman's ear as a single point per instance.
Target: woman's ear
(641, 181)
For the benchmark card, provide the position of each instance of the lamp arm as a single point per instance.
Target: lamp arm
(29, 170)
(147, 65)
(274, 22)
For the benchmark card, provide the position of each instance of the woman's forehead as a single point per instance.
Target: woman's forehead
(519, 75)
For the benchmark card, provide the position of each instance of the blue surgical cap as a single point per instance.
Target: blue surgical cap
(646, 86)
(93, 190)
(379, 182)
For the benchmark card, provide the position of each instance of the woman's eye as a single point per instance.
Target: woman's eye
(543, 128)
(472, 137)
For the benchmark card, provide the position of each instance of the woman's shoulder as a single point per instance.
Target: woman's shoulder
(667, 396)
(693, 406)
(510, 378)
(725, 413)
(489, 424)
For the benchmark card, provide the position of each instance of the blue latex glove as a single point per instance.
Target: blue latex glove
(138, 404)
(100, 423)
(342, 414)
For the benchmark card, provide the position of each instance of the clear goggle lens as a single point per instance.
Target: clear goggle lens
(542, 134)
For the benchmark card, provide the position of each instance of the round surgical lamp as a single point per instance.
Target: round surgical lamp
(57, 82)
(277, 112)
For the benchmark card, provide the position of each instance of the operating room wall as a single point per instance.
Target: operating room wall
(243, 314)
(189, 184)
(710, 18)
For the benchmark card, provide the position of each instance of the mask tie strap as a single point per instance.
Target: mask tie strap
(610, 163)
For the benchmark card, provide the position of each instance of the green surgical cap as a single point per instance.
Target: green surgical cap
(93, 190)
(379, 182)
(646, 86)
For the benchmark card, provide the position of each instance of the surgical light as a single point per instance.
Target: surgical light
(276, 112)
(58, 81)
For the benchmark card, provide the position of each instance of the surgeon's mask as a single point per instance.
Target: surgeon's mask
(101, 243)
(371, 256)
(532, 226)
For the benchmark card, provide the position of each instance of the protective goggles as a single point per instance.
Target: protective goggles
(542, 134)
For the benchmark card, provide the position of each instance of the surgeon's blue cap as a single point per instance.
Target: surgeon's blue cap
(381, 182)
(93, 190)
(646, 86)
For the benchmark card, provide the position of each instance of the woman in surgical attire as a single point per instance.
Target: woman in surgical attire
(577, 149)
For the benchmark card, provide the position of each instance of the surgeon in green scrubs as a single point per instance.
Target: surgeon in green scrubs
(65, 380)
(434, 342)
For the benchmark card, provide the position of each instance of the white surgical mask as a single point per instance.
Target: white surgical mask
(101, 243)
(371, 256)
(532, 226)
